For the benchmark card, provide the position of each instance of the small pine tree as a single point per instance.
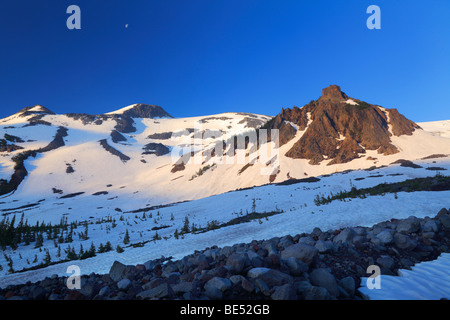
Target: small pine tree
(47, 258)
(108, 246)
(126, 239)
(185, 228)
(119, 249)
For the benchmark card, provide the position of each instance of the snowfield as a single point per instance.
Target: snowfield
(296, 200)
(146, 198)
(426, 281)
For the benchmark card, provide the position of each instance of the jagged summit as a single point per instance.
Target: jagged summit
(339, 128)
(334, 93)
(141, 110)
(34, 110)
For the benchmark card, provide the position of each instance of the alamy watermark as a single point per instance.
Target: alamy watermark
(250, 147)
(74, 280)
(373, 281)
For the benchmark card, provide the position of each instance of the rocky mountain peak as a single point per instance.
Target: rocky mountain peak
(333, 92)
(339, 129)
(34, 110)
(141, 110)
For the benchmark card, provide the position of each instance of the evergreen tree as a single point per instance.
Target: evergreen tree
(126, 239)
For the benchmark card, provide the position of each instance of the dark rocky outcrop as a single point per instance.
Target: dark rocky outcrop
(34, 110)
(57, 141)
(117, 136)
(113, 151)
(142, 110)
(157, 149)
(340, 131)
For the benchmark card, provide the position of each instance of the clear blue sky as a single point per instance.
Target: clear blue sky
(198, 57)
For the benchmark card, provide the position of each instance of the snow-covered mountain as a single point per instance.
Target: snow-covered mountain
(139, 169)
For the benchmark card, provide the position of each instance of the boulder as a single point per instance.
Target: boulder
(284, 292)
(317, 293)
(349, 285)
(162, 291)
(117, 271)
(221, 284)
(296, 267)
(323, 278)
(386, 262)
(238, 261)
(304, 252)
(409, 225)
(345, 236)
(403, 241)
(385, 237)
(124, 284)
(324, 246)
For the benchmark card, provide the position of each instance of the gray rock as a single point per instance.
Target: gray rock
(149, 265)
(285, 242)
(402, 241)
(105, 291)
(349, 285)
(212, 253)
(386, 262)
(38, 293)
(284, 292)
(263, 287)
(442, 212)
(183, 287)
(385, 237)
(89, 287)
(54, 297)
(124, 284)
(214, 293)
(409, 225)
(345, 236)
(247, 285)
(307, 240)
(117, 271)
(256, 272)
(274, 278)
(317, 293)
(324, 246)
(359, 240)
(303, 252)
(236, 279)
(221, 284)
(302, 286)
(162, 291)
(227, 251)
(444, 219)
(196, 259)
(323, 278)
(238, 261)
(271, 247)
(296, 267)
(360, 231)
(430, 226)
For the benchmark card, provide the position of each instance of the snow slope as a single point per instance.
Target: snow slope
(426, 281)
(110, 188)
(296, 200)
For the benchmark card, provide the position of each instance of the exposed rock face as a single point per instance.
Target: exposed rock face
(340, 128)
(141, 110)
(36, 110)
(156, 148)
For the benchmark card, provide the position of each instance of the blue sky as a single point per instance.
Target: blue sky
(198, 57)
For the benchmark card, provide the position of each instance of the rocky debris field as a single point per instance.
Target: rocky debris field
(322, 265)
